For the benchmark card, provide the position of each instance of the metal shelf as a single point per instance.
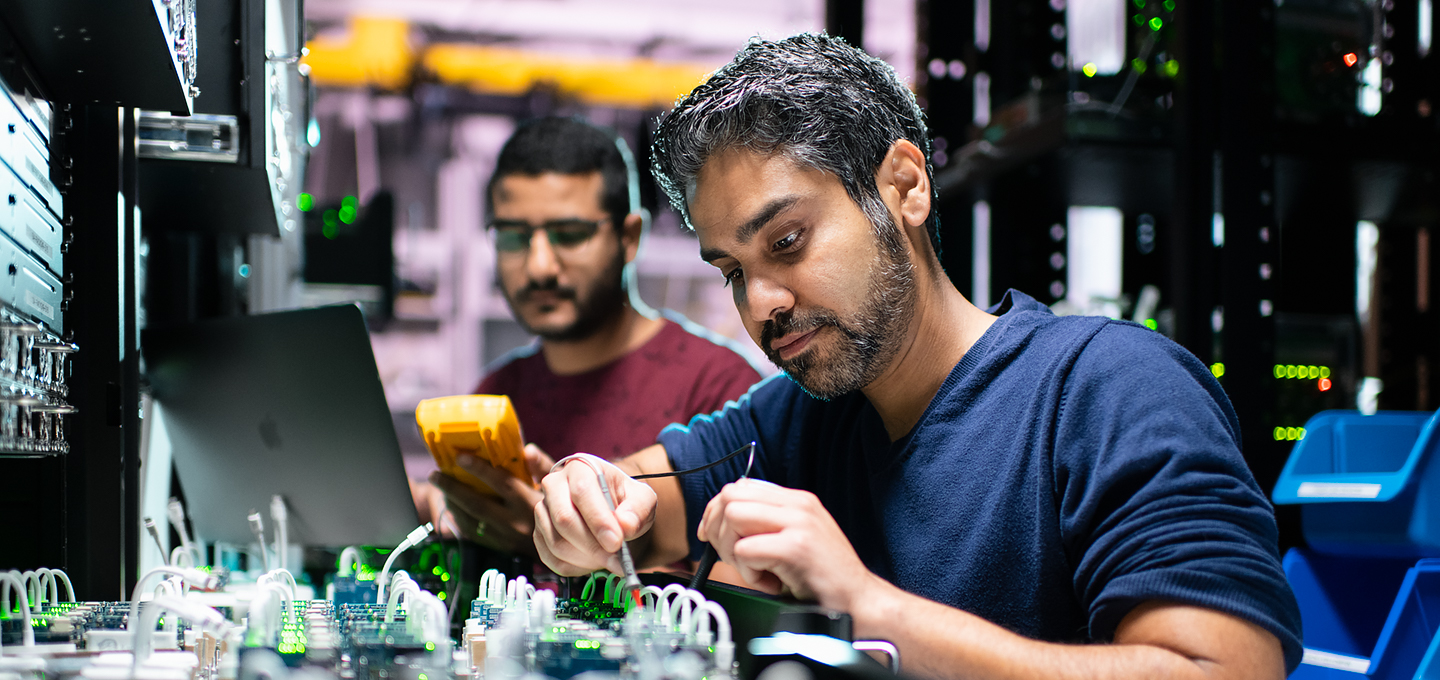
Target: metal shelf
(104, 51)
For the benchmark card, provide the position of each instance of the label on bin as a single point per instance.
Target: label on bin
(1337, 490)
(1341, 662)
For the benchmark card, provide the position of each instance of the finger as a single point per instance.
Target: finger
(635, 511)
(746, 518)
(546, 539)
(569, 537)
(495, 478)
(537, 462)
(598, 523)
(460, 495)
(768, 558)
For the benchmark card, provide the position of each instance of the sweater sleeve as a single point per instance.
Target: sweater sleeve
(1156, 501)
(766, 414)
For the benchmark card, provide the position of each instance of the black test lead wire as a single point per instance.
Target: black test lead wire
(707, 560)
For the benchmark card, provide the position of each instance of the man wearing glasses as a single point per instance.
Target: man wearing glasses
(607, 372)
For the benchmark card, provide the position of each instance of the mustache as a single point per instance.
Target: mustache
(547, 286)
(794, 322)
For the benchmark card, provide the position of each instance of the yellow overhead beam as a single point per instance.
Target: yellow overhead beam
(376, 52)
(639, 83)
(373, 52)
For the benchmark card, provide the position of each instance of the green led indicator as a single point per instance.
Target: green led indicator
(305, 202)
(435, 571)
(1217, 369)
(1169, 5)
(1139, 4)
(1150, 323)
(1090, 70)
(429, 646)
(441, 596)
(1138, 65)
(1172, 68)
(1289, 434)
(1156, 23)
(332, 224)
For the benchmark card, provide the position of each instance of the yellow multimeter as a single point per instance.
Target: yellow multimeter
(482, 425)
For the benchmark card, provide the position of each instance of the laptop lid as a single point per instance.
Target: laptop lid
(288, 403)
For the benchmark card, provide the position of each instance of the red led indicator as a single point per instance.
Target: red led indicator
(1325, 384)
(1351, 58)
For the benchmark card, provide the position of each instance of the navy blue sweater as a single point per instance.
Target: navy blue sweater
(1068, 469)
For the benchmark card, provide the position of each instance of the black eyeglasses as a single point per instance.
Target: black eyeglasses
(513, 236)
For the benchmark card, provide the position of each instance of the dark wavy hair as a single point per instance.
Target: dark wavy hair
(814, 98)
(569, 146)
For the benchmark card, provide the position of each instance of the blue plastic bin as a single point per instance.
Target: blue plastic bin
(1373, 618)
(1370, 485)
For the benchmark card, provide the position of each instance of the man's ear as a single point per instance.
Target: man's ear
(905, 184)
(630, 233)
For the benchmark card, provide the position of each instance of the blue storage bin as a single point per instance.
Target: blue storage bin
(1370, 485)
(1372, 618)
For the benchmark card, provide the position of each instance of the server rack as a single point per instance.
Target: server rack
(1237, 140)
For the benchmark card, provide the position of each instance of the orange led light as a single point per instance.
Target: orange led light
(1351, 58)
(1325, 384)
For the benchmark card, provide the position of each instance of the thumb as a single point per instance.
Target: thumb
(537, 461)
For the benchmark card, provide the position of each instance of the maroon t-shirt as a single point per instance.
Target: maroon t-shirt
(619, 408)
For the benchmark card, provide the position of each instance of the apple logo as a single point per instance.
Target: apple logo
(270, 432)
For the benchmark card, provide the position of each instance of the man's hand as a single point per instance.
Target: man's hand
(779, 537)
(503, 523)
(575, 530)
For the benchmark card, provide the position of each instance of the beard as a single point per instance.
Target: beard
(595, 305)
(868, 340)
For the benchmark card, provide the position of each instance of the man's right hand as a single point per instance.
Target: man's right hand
(503, 523)
(576, 532)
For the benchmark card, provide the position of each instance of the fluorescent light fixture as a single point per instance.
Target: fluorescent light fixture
(1427, 27)
(982, 99)
(1096, 35)
(1367, 240)
(1094, 251)
(1369, 92)
(982, 25)
(980, 256)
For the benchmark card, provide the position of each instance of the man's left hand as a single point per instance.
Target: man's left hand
(784, 537)
(504, 523)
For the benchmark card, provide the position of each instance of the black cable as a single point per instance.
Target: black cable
(702, 468)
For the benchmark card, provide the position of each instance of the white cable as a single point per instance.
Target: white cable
(542, 610)
(654, 608)
(666, 615)
(686, 602)
(193, 577)
(486, 584)
(281, 517)
(257, 527)
(33, 590)
(415, 536)
(9, 581)
(180, 554)
(201, 616)
(725, 643)
(176, 512)
(497, 590)
(65, 578)
(259, 618)
(49, 585)
(407, 589)
(349, 558)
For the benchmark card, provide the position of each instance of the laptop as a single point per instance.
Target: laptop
(287, 403)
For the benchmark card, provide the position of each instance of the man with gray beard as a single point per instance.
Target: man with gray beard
(984, 489)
